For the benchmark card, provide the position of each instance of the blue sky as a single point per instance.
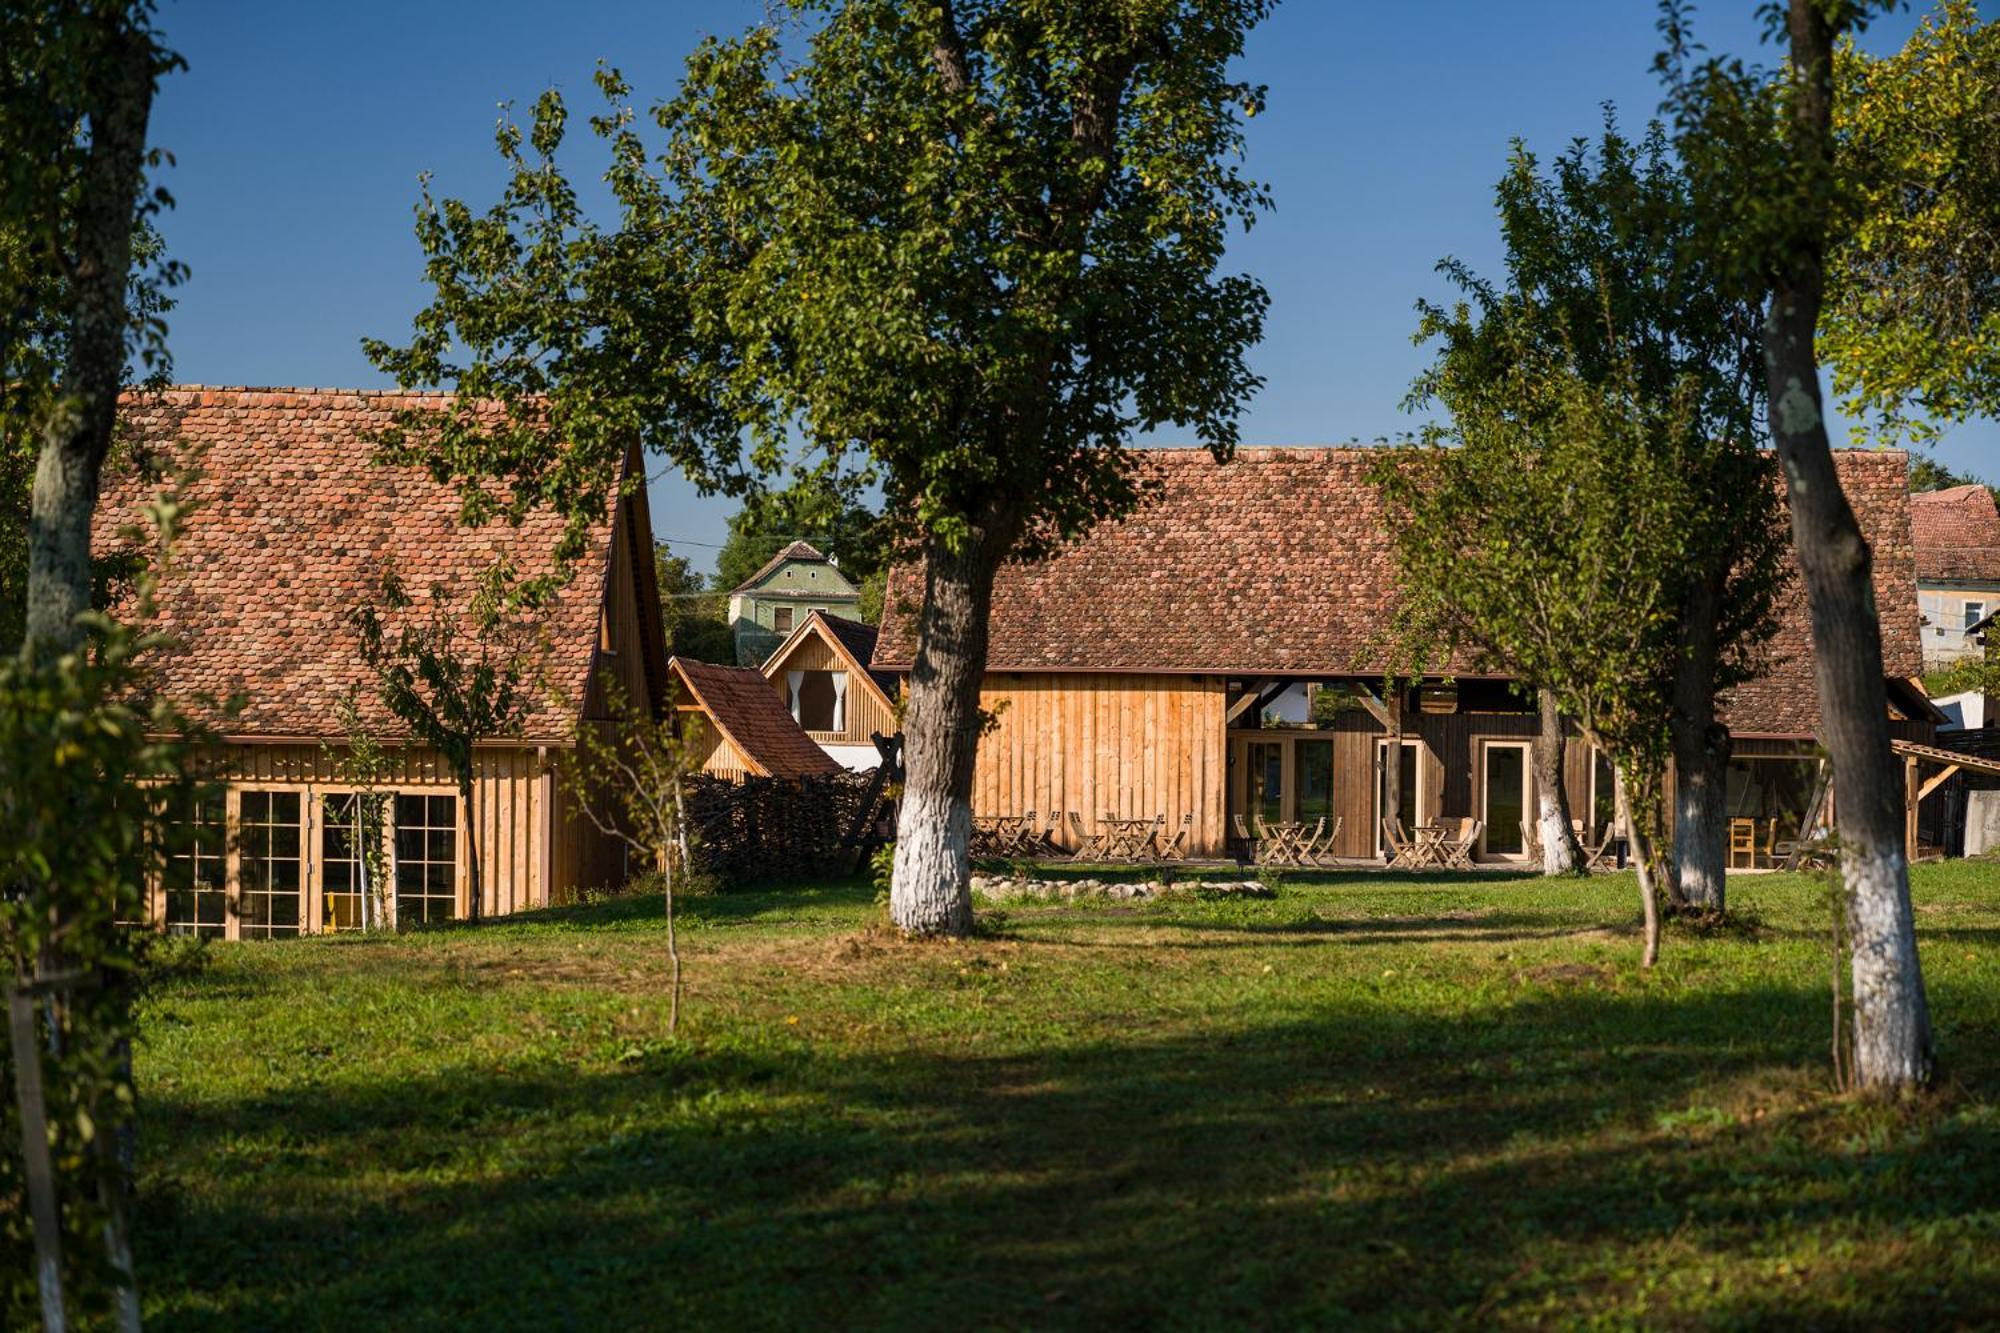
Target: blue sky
(299, 131)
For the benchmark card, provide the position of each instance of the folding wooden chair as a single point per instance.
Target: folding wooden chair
(1594, 853)
(1089, 846)
(1243, 838)
(1320, 850)
(1459, 855)
(1401, 854)
(1176, 848)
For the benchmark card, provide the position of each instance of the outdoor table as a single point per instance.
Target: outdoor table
(1285, 843)
(1126, 839)
(1433, 845)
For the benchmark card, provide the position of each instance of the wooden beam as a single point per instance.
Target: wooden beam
(1372, 701)
(1256, 701)
(1910, 808)
(1937, 781)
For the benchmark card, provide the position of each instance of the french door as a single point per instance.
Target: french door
(1504, 788)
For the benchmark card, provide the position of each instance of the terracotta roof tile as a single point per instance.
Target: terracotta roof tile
(1279, 563)
(1957, 535)
(747, 710)
(293, 528)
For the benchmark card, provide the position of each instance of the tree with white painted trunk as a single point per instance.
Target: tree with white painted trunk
(1602, 270)
(1764, 154)
(970, 245)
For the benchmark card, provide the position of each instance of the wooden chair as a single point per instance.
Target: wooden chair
(1742, 843)
(1307, 851)
(1594, 851)
(1319, 851)
(1243, 838)
(1401, 854)
(1089, 846)
(1768, 854)
(1175, 850)
(1459, 854)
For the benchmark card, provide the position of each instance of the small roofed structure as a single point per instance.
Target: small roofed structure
(822, 677)
(1956, 533)
(744, 730)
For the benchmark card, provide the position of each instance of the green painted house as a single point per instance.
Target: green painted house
(766, 607)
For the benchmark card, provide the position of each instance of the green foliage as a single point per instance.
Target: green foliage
(370, 767)
(1461, 1086)
(100, 772)
(828, 510)
(695, 616)
(1927, 474)
(454, 676)
(1912, 322)
(1606, 484)
(974, 245)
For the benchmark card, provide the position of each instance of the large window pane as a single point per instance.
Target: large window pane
(1267, 780)
(270, 872)
(1506, 788)
(343, 873)
(1315, 777)
(197, 900)
(426, 859)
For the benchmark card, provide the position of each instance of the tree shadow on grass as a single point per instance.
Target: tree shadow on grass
(1357, 1164)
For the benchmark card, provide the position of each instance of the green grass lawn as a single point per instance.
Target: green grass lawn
(1376, 1100)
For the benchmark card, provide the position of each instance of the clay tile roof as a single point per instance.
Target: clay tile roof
(293, 526)
(748, 712)
(1957, 535)
(796, 551)
(1279, 563)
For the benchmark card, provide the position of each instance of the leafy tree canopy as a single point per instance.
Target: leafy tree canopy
(1912, 321)
(973, 243)
(829, 510)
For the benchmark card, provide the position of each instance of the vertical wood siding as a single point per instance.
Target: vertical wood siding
(1133, 746)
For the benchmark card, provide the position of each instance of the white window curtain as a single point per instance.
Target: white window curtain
(840, 701)
(793, 680)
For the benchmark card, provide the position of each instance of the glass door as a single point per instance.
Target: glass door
(1407, 809)
(1503, 774)
(1267, 781)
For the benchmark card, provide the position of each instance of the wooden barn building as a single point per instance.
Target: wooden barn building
(293, 527)
(1172, 663)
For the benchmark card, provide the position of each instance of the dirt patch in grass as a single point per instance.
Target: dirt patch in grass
(1566, 974)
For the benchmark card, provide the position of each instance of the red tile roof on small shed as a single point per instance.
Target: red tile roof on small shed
(293, 527)
(1280, 563)
(1957, 533)
(746, 709)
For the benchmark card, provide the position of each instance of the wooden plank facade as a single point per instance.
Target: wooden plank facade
(1139, 745)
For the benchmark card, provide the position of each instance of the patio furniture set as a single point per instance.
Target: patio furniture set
(1761, 844)
(1306, 843)
(1604, 852)
(1024, 837)
(1443, 846)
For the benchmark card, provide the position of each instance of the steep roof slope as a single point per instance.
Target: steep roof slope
(807, 552)
(751, 716)
(1957, 533)
(1280, 562)
(293, 528)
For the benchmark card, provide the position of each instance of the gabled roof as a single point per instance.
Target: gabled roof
(1280, 563)
(801, 551)
(750, 716)
(852, 640)
(292, 529)
(1957, 532)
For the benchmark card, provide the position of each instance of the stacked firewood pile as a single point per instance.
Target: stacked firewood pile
(774, 828)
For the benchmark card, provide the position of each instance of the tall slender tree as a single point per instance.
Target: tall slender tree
(1602, 271)
(975, 242)
(1764, 156)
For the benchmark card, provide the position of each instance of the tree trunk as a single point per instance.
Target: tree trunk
(1642, 863)
(1701, 758)
(39, 1166)
(1560, 854)
(929, 893)
(77, 435)
(1392, 766)
(1892, 1034)
(473, 896)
